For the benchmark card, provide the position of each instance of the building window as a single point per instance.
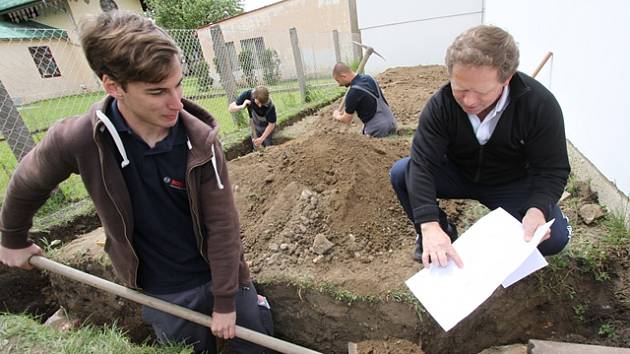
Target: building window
(43, 58)
(108, 5)
(257, 47)
(231, 53)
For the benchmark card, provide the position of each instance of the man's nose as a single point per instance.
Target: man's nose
(175, 101)
(469, 100)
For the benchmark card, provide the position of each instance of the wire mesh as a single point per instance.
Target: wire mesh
(44, 77)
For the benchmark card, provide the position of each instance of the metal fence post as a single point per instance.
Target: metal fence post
(335, 34)
(299, 67)
(12, 126)
(225, 70)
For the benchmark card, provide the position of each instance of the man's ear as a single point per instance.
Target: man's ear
(112, 87)
(507, 82)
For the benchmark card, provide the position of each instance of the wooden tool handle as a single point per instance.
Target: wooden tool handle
(175, 310)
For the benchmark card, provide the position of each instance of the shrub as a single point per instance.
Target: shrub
(271, 66)
(246, 61)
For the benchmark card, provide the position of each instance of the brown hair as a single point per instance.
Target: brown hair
(261, 93)
(127, 47)
(484, 45)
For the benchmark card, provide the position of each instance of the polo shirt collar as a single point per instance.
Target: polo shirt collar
(176, 134)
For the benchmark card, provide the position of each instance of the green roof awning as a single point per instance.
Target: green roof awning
(9, 4)
(29, 30)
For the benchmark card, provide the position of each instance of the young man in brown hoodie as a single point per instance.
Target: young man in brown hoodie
(152, 163)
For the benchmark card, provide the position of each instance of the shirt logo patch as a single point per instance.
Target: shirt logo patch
(174, 183)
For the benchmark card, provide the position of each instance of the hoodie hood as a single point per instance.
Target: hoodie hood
(201, 129)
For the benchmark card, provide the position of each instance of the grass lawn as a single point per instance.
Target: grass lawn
(23, 334)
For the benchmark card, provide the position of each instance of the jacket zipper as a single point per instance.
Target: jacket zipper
(193, 209)
(118, 210)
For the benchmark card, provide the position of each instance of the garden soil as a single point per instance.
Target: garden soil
(328, 243)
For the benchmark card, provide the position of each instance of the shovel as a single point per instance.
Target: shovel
(175, 310)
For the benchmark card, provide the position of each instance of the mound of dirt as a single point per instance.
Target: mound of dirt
(408, 89)
(320, 202)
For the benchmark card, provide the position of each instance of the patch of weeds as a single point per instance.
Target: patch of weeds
(49, 245)
(572, 185)
(333, 291)
(593, 259)
(406, 297)
(559, 262)
(56, 202)
(344, 296)
(617, 235)
(607, 330)
(312, 94)
(401, 296)
(579, 310)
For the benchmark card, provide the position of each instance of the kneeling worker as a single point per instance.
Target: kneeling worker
(262, 113)
(366, 98)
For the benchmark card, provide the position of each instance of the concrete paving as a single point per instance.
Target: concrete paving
(549, 347)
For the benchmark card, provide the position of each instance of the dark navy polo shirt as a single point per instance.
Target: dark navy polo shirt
(359, 101)
(267, 111)
(163, 236)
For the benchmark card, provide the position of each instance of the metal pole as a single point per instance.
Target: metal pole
(12, 126)
(225, 69)
(299, 66)
(175, 310)
(335, 35)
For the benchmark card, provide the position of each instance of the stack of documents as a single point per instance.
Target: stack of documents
(494, 252)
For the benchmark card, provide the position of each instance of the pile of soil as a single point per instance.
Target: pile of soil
(407, 90)
(321, 204)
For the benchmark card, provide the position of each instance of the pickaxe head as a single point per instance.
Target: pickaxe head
(368, 48)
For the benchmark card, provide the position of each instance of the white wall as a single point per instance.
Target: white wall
(588, 73)
(412, 32)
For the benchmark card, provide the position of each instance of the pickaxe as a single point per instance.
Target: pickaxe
(368, 51)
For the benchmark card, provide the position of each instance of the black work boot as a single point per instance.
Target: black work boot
(450, 230)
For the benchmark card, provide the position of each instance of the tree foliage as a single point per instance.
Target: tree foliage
(191, 14)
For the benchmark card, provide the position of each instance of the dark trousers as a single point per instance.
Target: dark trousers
(259, 132)
(169, 328)
(511, 196)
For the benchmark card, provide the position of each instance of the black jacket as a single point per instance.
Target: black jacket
(528, 140)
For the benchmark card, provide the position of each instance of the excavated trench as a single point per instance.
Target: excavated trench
(329, 246)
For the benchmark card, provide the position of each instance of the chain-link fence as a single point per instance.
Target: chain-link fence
(44, 77)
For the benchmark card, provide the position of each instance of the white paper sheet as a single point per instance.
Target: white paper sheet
(491, 250)
(533, 263)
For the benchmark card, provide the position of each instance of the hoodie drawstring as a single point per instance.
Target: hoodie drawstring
(114, 133)
(216, 172)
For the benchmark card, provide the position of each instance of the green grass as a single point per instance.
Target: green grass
(23, 334)
(42, 114)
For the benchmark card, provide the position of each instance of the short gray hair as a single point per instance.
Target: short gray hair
(484, 45)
